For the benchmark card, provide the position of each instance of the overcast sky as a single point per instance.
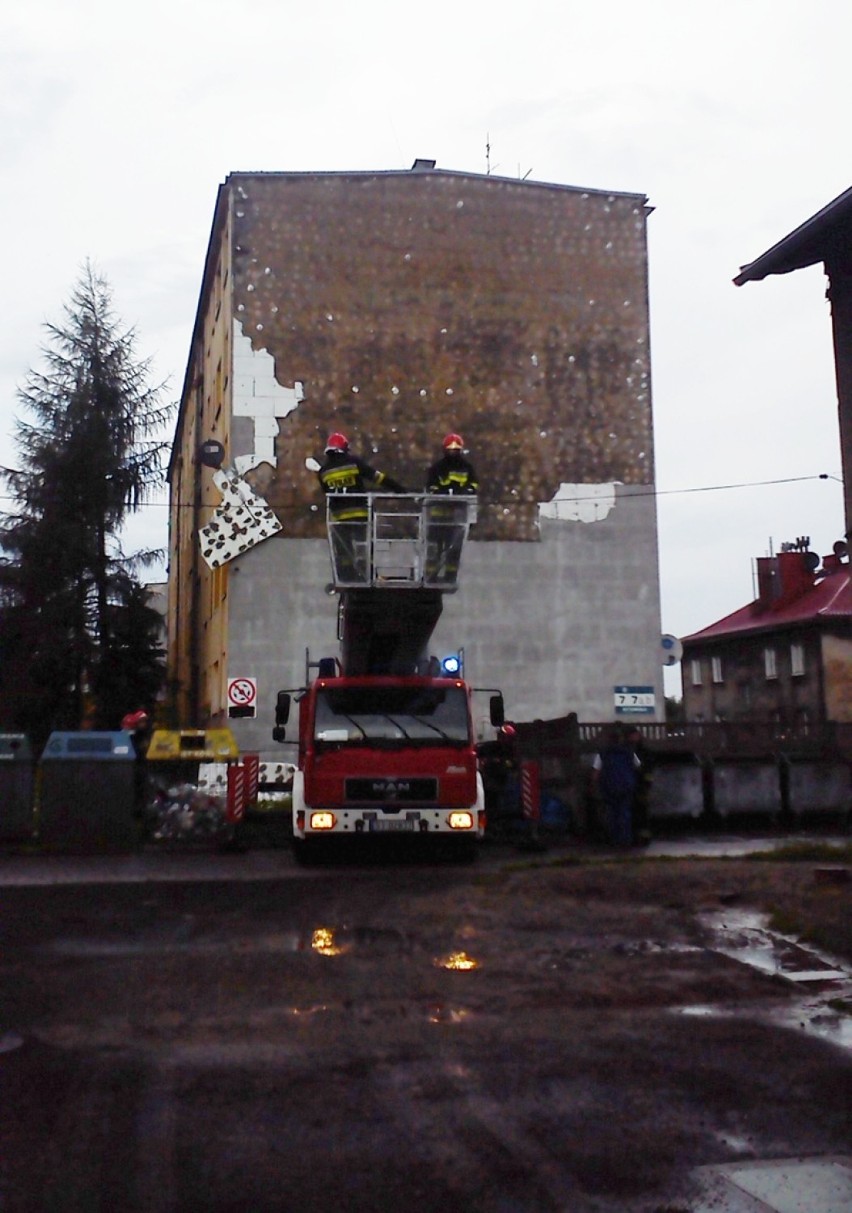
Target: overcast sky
(119, 121)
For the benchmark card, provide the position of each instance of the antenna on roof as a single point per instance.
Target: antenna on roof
(487, 154)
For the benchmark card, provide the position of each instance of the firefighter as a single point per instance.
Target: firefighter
(347, 475)
(452, 473)
(451, 476)
(344, 472)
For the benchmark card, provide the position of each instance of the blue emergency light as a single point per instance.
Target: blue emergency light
(451, 665)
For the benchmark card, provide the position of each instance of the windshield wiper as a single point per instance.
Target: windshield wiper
(435, 728)
(397, 725)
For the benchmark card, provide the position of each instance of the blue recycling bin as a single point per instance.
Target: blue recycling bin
(87, 798)
(17, 787)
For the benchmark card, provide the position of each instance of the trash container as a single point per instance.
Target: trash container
(186, 797)
(17, 778)
(818, 786)
(746, 785)
(87, 792)
(677, 785)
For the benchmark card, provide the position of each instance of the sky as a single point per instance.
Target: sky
(119, 122)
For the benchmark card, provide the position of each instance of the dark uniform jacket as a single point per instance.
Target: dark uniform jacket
(452, 474)
(345, 473)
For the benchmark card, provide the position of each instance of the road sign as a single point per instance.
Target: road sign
(242, 692)
(242, 697)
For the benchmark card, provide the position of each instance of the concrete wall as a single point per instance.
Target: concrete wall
(397, 306)
(557, 624)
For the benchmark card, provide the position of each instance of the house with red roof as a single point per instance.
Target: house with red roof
(784, 658)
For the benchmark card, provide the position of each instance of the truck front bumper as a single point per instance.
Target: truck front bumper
(318, 821)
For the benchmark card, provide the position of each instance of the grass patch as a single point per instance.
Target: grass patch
(805, 852)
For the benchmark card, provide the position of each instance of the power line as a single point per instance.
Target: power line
(645, 492)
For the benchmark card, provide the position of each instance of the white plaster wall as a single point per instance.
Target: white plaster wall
(556, 624)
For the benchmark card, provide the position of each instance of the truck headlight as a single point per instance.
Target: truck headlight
(461, 819)
(323, 820)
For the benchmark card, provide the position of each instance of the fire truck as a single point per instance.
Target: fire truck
(386, 735)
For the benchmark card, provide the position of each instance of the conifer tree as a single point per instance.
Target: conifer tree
(90, 453)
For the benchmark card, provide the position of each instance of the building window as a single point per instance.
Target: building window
(770, 663)
(696, 672)
(797, 660)
(716, 667)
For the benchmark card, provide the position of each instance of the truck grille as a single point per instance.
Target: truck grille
(391, 791)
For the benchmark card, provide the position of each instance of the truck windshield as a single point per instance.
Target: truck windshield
(359, 714)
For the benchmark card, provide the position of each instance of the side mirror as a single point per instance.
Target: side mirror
(498, 711)
(282, 710)
(279, 733)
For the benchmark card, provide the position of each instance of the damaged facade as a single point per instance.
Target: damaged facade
(395, 306)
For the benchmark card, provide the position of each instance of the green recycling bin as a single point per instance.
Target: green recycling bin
(87, 800)
(17, 787)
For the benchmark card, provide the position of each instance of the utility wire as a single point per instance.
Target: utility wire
(648, 492)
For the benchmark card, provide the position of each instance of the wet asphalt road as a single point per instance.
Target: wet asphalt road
(205, 1032)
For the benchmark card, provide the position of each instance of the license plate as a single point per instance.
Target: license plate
(395, 825)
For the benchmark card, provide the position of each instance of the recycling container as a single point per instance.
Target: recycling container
(17, 779)
(87, 796)
(186, 797)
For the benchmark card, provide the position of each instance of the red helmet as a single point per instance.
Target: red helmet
(337, 443)
(453, 442)
(135, 720)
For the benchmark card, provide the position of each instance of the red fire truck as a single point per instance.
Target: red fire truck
(386, 741)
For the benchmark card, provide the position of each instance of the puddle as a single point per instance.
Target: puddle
(185, 938)
(744, 936)
(823, 980)
(789, 1185)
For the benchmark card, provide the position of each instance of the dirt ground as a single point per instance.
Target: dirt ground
(556, 1032)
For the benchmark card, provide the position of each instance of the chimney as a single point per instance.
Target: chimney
(422, 166)
(784, 578)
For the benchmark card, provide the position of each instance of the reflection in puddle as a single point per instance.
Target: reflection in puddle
(734, 1142)
(456, 960)
(743, 935)
(322, 941)
(452, 1015)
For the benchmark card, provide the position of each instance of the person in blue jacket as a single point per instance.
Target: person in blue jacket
(615, 773)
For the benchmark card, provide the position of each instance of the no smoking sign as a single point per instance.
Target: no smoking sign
(242, 697)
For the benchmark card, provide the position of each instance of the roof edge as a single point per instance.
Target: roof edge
(792, 252)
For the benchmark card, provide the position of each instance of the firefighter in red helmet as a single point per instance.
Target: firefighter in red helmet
(347, 474)
(453, 473)
(451, 476)
(344, 478)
